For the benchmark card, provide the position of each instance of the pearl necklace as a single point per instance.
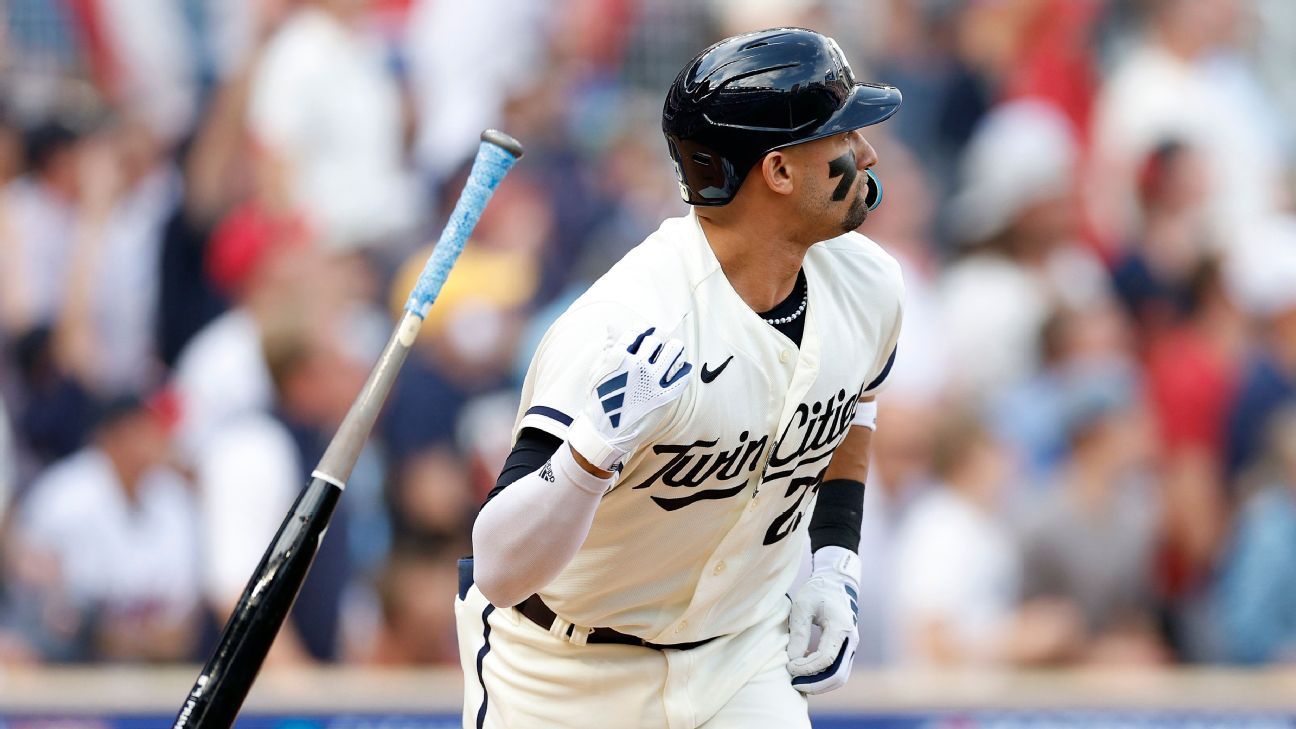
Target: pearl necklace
(805, 299)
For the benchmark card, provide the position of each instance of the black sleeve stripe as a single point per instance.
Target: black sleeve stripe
(551, 413)
(886, 370)
(533, 449)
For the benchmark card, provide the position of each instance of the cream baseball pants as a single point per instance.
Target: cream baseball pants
(517, 675)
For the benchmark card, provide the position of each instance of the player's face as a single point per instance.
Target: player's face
(835, 184)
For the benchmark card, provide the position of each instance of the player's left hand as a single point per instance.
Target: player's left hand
(830, 600)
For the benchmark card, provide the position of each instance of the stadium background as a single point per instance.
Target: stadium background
(1086, 462)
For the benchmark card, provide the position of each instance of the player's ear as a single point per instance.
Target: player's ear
(775, 170)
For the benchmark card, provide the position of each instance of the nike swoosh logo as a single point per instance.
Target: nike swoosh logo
(708, 375)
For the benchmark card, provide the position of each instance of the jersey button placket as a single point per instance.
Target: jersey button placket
(719, 568)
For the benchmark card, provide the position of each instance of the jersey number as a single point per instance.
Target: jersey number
(788, 521)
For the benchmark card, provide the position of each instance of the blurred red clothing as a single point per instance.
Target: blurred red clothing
(1191, 383)
(1056, 61)
(245, 238)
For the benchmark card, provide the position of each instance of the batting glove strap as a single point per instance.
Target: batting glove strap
(586, 440)
(832, 559)
(830, 600)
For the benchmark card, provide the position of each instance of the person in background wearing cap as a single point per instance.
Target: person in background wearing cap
(1014, 215)
(107, 542)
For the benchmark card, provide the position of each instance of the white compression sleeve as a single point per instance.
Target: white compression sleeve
(529, 532)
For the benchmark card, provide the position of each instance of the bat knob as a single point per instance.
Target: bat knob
(503, 141)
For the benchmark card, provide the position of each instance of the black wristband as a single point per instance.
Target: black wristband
(837, 515)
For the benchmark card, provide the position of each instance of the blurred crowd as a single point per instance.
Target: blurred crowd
(211, 210)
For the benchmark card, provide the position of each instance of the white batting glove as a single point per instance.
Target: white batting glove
(830, 600)
(636, 376)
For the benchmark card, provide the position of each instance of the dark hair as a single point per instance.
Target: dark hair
(1156, 168)
(113, 410)
(45, 141)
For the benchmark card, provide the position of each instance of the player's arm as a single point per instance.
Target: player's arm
(527, 533)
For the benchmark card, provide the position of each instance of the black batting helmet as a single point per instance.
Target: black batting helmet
(754, 93)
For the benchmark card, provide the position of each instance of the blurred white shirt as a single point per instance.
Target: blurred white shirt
(323, 100)
(151, 46)
(955, 564)
(126, 283)
(138, 559)
(248, 475)
(220, 375)
(992, 310)
(41, 228)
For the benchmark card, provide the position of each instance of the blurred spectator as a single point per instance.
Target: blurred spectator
(1016, 213)
(1050, 53)
(39, 214)
(145, 61)
(1153, 275)
(898, 473)
(1031, 414)
(253, 466)
(1192, 379)
(1257, 591)
(327, 118)
(416, 590)
(54, 413)
(1264, 277)
(216, 176)
(261, 259)
(1090, 541)
(1181, 80)
(958, 571)
(432, 494)
(128, 187)
(107, 542)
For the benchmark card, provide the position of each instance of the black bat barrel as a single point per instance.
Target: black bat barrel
(217, 695)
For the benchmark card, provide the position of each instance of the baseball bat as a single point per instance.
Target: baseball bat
(217, 695)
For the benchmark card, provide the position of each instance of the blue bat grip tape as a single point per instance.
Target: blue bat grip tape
(489, 168)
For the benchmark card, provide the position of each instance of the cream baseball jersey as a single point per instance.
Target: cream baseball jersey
(706, 523)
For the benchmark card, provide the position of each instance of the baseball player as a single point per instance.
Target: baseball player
(703, 407)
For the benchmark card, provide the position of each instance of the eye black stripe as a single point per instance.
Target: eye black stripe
(843, 167)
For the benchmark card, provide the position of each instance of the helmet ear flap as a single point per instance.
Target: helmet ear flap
(706, 177)
(873, 197)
